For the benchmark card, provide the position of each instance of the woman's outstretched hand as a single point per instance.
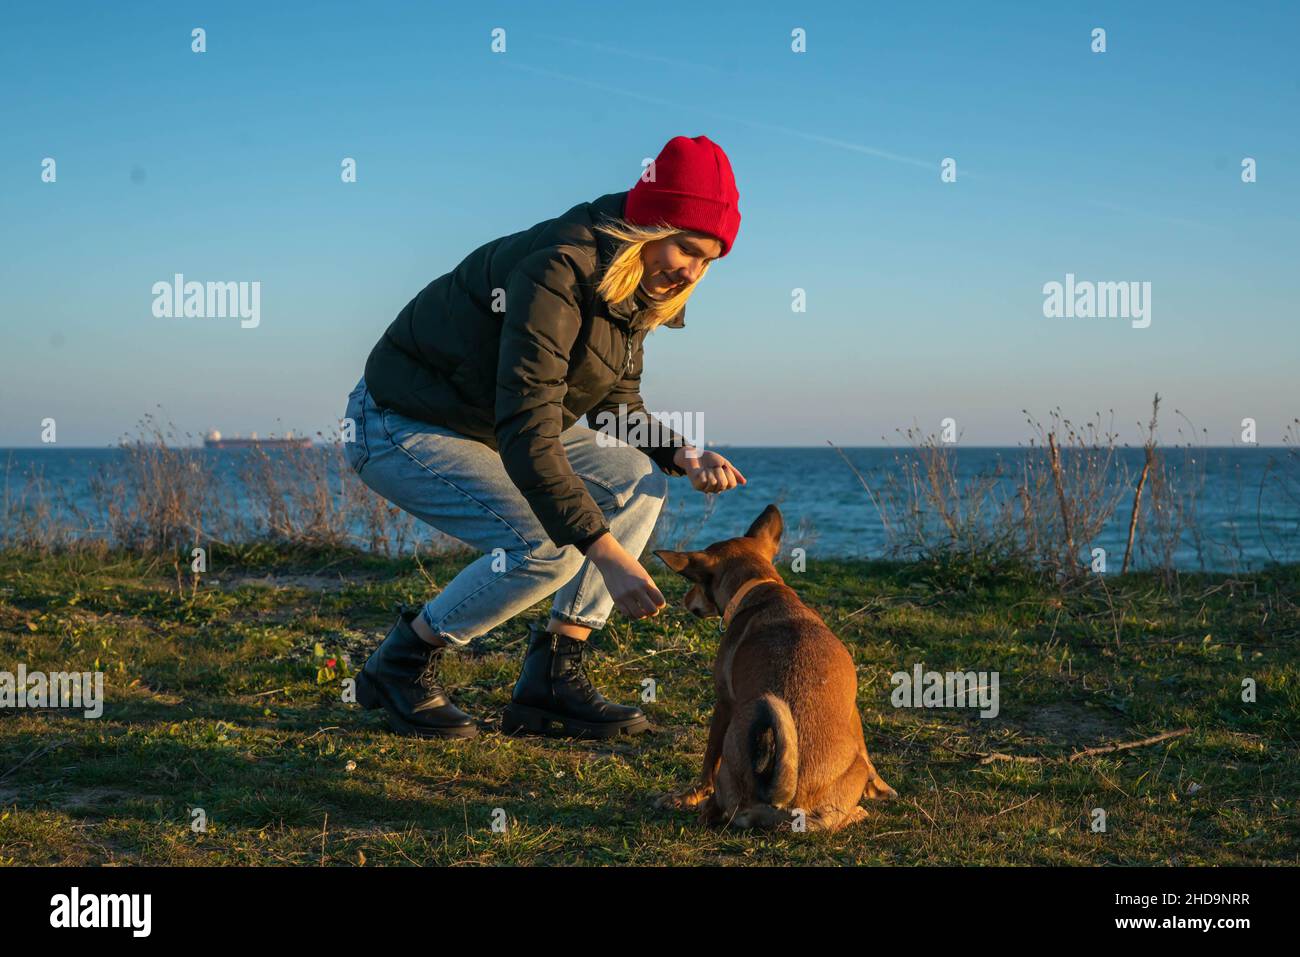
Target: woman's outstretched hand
(708, 471)
(630, 585)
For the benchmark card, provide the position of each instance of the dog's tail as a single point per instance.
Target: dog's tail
(774, 751)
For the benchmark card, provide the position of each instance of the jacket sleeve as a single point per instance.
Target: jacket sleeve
(542, 320)
(653, 437)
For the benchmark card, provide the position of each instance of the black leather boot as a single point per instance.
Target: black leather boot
(553, 691)
(401, 676)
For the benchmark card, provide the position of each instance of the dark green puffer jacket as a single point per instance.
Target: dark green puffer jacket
(513, 346)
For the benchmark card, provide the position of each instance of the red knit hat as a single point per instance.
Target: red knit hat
(693, 189)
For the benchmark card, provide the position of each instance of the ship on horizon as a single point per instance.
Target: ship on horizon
(215, 440)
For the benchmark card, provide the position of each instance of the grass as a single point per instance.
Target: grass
(218, 698)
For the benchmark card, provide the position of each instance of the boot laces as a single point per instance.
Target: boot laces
(575, 671)
(428, 678)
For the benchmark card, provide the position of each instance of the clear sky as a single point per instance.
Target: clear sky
(924, 298)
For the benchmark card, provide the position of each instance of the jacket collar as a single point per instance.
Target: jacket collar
(633, 310)
(630, 310)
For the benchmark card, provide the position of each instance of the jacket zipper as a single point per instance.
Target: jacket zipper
(627, 359)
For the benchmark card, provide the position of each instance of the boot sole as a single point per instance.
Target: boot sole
(370, 696)
(518, 718)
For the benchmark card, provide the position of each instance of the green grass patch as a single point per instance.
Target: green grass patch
(216, 700)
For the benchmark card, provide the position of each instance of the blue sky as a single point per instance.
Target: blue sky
(924, 298)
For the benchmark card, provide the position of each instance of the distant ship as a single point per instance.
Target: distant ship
(214, 440)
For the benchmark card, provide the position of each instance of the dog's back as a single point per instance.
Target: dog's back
(785, 735)
(798, 741)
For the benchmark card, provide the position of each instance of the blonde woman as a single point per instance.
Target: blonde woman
(466, 415)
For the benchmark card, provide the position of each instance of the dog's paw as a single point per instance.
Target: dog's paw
(878, 790)
(685, 799)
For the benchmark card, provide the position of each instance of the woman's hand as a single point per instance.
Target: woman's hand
(708, 471)
(633, 590)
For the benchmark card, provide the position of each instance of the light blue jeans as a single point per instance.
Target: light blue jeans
(459, 486)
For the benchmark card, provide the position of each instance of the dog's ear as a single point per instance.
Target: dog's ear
(767, 530)
(697, 566)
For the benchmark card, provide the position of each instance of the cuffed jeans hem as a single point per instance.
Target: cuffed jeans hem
(580, 620)
(450, 639)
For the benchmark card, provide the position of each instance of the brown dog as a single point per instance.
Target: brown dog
(785, 735)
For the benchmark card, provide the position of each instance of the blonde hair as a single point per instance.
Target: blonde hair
(623, 274)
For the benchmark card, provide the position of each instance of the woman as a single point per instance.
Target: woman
(465, 418)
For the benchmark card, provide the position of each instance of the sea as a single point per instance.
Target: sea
(1239, 506)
